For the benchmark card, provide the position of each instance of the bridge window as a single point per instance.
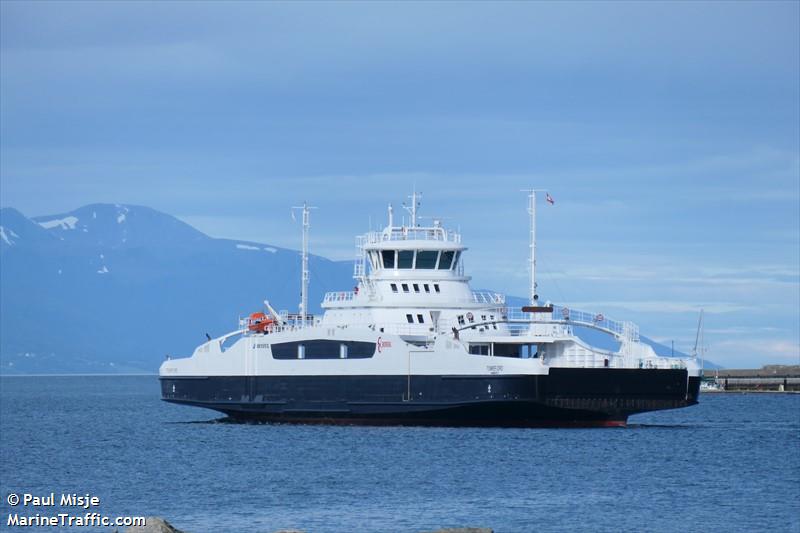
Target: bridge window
(427, 287)
(410, 319)
(420, 319)
(457, 257)
(426, 259)
(394, 287)
(446, 260)
(436, 287)
(405, 287)
(388, 258)
(416, 287)
(405, 259)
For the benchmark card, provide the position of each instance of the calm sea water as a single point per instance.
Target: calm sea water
(730, 464)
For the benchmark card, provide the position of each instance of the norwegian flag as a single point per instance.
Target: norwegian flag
(549, 199)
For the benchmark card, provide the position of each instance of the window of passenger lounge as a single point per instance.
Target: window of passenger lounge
(323, 349)
(479, 349)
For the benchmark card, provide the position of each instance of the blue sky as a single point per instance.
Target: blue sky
(667, 133)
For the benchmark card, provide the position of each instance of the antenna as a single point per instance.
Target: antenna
(698, 341)
(304, 275)
(415, 198)
(534, 297)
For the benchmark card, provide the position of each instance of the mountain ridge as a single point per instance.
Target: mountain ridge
(93, 292)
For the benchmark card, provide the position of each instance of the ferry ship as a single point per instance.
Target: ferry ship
(413, 344)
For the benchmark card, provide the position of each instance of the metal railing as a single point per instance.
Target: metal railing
(284, 325)
(566, 316)
(626, 330)
(405, 233)
(488, 297)
(345, 296)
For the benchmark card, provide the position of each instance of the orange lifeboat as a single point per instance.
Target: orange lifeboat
(259, 322)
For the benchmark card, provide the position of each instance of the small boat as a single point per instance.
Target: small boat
(259, 322)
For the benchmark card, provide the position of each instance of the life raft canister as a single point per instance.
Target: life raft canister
(259, 322)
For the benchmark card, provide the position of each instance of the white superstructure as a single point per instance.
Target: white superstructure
(413, 301)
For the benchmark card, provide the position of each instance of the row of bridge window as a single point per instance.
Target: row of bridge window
(419, 259)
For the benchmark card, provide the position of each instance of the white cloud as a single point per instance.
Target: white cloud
(749, 351)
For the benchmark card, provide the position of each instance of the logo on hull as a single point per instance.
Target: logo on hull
(381, 344)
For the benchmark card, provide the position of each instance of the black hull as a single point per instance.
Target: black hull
(565, 397)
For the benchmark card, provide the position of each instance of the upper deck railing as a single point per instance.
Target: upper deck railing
(623, 329)
(567, 316)
(405, 233)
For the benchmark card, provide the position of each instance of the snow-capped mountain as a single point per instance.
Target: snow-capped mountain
(119, 226)
(110, 288)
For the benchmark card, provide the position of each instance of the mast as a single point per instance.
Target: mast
(415, 198)
(304, 274)
(698, 341)
(702, 346)
(532, 245)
